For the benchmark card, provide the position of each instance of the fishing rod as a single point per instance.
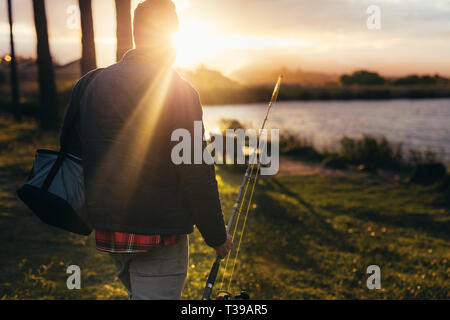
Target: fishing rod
(236, 208)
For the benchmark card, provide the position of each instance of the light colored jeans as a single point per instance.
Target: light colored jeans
(158, 274)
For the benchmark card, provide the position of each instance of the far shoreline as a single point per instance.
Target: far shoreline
(253, 95)
(258, 104)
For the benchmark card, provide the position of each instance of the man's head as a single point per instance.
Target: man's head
(155, 23)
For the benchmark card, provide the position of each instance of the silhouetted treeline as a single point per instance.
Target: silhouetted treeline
(363, 78)
(363, 85)
(367, 78)
(426, 80)
(215, 88)
(259, 94)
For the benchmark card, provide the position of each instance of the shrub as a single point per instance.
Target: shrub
(230, 124)
(335, 163)
(425, 80)
(363, 78)
(371, 151)
(428, 173)
(422, 157)
(292, 144)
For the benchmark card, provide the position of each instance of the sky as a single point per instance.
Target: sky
(329, 36)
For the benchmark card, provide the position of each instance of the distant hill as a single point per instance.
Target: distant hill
(257, 75)
(203, 78)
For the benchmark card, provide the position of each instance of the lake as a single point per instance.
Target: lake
(420, 124)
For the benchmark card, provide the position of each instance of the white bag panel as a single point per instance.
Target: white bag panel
(42, 165)
(68, 182)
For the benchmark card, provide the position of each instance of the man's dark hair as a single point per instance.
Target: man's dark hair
(155, 22)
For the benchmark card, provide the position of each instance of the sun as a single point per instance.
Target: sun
(195, 42)
(199, 42)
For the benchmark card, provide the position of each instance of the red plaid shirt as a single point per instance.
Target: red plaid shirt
(120, 242)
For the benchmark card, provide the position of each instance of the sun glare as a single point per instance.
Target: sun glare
(196, 43)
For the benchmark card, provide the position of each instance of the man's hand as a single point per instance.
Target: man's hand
(224, 249)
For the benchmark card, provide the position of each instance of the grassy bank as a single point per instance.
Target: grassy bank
(308, 237)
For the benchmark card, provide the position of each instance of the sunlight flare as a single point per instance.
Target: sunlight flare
(136, 134)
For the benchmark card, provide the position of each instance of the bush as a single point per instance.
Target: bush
(422, 157)
(335, 163)
(428, 173)
(363, 78)
(230, 124)
(425, 80)
(294, 145)
(371, 152)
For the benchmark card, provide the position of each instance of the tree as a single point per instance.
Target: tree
(88, 58)
(363, 78)
(13, 72)
(415, 80)
(47, 86)
(123, 29)
(2, 77)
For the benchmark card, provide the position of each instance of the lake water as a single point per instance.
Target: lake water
(419, 124)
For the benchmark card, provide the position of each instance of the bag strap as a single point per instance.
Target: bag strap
(75, 106)
(72, 115)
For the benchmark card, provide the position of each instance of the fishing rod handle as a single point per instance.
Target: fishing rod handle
(211, 279)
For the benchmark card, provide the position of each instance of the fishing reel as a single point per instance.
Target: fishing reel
(225, 295)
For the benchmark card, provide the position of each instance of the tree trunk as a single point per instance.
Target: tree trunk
(47, 87)
(14, 78)
(123, 31)
(88, 59)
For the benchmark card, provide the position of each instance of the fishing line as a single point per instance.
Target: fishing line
(244, 225)
(256, 152)
(255, 178)
(272, 100)
(240, 201)
(237, 224)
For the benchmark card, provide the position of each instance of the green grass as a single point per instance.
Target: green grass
(307, 237)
